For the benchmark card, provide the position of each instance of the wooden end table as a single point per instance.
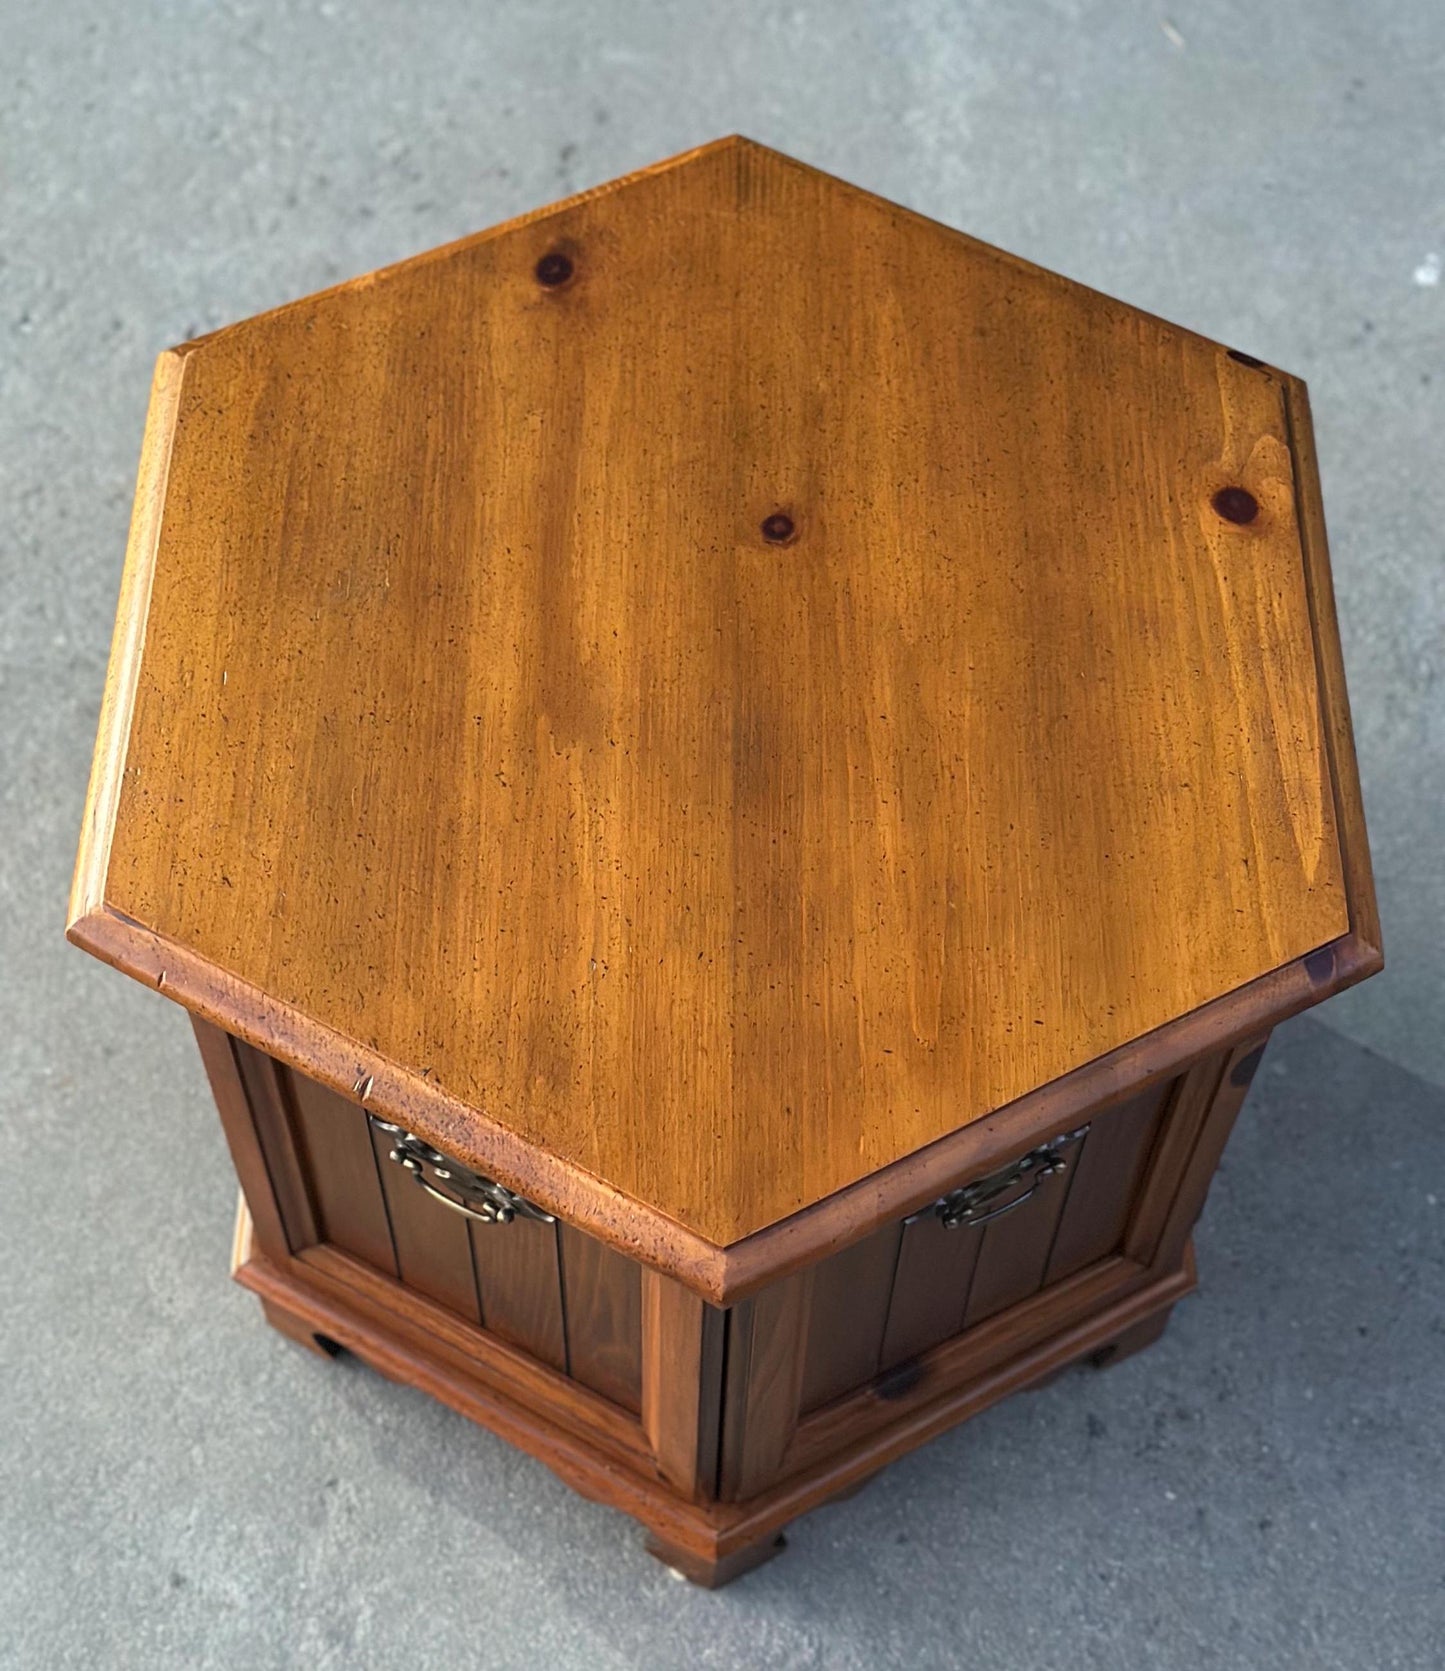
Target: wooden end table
(733, 781)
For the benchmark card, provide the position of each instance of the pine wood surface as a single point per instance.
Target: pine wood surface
(468, 741)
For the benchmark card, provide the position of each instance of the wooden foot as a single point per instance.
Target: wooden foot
(295, 1328)
(1132, 1340)
(712, 1574)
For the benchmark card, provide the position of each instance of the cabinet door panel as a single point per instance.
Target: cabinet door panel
(433, 1249)
(602, 1308)
(340, 1171)
(935, 1270)
(1107, 1176)
(849, 1314)
(520, 1284)
(947, 1281)
(1014, 1251)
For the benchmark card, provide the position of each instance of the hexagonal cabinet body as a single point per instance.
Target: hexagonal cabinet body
(734, 781)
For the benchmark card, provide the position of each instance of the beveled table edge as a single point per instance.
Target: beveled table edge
(722, 1275)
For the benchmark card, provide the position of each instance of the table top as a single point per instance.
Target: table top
(705, 690)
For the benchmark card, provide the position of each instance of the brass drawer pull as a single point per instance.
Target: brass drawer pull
(972, 1204)
(482, 1199)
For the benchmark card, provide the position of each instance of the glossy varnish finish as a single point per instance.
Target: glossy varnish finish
(468, 735)
(733, 711)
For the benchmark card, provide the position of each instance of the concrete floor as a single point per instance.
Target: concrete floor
(180, 1488)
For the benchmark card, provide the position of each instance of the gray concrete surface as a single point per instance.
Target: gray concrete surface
(180, 1488)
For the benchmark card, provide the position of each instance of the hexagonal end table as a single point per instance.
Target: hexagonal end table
(733, 781)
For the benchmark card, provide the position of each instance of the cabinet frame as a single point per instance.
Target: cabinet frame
(722, 1453)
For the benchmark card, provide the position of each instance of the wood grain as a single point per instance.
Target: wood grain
(1043, 1242)
(433, 1244)
(1240, 1065)
(434, 1333)
(1053, 1324)
(682, 1372)
(521, 1286)
(602, 1311)
(338, 1169)
(1015, 1252)
(725, 1276)
(1339, 735)
(767, 1346)
(276, 1128)
(1105, 1185)
(260, 1214)
(930, 1287)
(847, 1316)
(526, 773)
(1185, 1120)
(132, 615)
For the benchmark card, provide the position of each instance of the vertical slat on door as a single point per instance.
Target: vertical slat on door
(849, 1312)
(935, 1268)
(1107, 1175)
(521, 1286)
(341, 1171)
(602, 1310)
(1015, 1251)
(433, 1250)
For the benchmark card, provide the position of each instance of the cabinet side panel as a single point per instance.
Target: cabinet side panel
(602, 1310)
(1107, 1175)
(340, 1170)
(1187, 1114)
(433, 1250)
(520, 1284)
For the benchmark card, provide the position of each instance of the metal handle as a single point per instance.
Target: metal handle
(952, 1221)
(971, 1205)
(484, 1200)
(486, 1214)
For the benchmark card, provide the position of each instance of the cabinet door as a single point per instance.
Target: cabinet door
(919, 1323)
(557, 1294)
(989, 1245)
(1037, 1231)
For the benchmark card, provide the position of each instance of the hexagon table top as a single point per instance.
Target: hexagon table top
(698, 693)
